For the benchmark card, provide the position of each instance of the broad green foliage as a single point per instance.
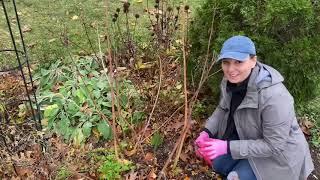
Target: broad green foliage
(111, 168)
(285, 33)
(74, 100)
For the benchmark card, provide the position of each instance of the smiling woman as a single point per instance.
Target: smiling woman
(237, 71)
(253, 133)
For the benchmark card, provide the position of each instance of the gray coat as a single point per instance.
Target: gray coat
(270, 137)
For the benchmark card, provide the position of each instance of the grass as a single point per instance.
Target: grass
(56, 28)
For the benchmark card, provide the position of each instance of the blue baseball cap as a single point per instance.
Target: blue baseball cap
(237, 47)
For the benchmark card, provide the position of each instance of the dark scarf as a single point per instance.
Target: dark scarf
(238, 92)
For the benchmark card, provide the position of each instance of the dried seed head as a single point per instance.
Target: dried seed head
(152, 34)
(169, 9)
(126, 6)
(137, 16)
(157, 16)
(114, 19)
(157, 1)
(176, 17)
(115, 15)
(156, 6)
(118, 9)
(186, 8)
(178, 8)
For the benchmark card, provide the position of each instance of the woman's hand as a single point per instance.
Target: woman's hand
(201, 139)
(199, 142)
(212, 148)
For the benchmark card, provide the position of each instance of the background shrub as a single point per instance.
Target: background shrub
(285, 33)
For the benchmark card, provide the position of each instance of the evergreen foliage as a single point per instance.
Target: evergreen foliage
(286, 34)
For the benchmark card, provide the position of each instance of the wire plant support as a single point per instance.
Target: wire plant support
(21, 68)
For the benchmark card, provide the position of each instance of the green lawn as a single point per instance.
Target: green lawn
(54, 29)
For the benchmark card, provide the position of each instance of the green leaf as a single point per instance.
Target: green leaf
(96, 93)
(63, 127)
(156, 140)
(124, 101)
(78, 137)
(95, 73)
(138, 116)
(51, 111)
(81, 95)
(104, 129)
(102, 84)
(72, 108)
(94, 119)
(83, 72)
(107, 112)
(106, 103)
(87, 128)
(44, 72)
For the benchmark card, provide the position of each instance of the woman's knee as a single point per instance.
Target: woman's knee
(223, 164)
(244, 170)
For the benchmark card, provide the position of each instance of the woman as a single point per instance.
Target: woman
(253, 133)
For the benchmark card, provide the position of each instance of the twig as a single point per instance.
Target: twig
(186, 111)
(163, 124)
(205, 71)
(116, 84)
(89, 40)
(109, 57)
(154, 105)
(208, 47)
(162, 172)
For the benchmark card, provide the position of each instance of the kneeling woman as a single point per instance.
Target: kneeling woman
(253, 133)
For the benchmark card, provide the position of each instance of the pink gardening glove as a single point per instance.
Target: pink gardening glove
(213, 148)
(201, 138)
(206, 158)
(204, 136)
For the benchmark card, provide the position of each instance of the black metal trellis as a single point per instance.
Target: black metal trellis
(23, 67)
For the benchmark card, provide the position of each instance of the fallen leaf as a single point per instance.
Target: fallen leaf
(305, 130)
(132, 176)
(52, 40)
(152, 175)
(23, 171)
(75, 17)
(121, 69)
(178, 125)
(179, 86)
(308, 124)
(36, 151)
(184, 157)
(26, 28)
(44, 122)
(148, 158)
(130, 153)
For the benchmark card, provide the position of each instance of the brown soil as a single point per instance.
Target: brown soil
(315, 153)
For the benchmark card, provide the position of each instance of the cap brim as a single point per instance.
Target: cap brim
(234, 55)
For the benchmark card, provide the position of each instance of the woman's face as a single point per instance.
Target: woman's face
(237, 71)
